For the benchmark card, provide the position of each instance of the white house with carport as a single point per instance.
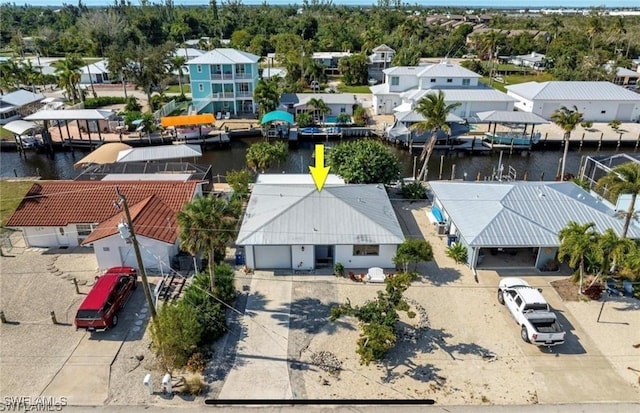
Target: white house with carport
(97, 72)
(296, 227)
(404, 86)
(597, 101)
(521, 218)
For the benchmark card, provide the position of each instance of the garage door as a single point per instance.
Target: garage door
(267, 257)
(624, 112)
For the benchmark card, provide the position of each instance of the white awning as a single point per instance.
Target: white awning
(73, 114)
(19, 127)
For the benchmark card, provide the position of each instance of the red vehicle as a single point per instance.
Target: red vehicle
(100, 308)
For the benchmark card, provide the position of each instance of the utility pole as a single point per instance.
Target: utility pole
(136, 249)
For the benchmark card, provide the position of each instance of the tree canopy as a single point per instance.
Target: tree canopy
(364, 162)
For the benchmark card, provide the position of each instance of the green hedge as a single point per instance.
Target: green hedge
(100, 101)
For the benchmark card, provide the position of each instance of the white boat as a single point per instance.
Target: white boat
(29, 141)
(185, 134)
(510, 140)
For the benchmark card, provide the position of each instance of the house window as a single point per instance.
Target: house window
(343, 110)
(106, 249)
(433, 80)
(200, 87)
(199, 68)
(84, 229)
(240, 70)
(466, 82)
(449, 80)
(366, 250)
(61, 231)
(395, 80)
(243, 88)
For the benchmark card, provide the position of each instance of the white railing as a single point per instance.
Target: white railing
(166, 109)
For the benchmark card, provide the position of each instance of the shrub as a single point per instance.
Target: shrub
(196, 363)
(100, 101)
(458, 252)
(193, 386)
(239, 181)
(132, 105)
(594, 291)
(338, 269)
(175, 334)
(413, 190)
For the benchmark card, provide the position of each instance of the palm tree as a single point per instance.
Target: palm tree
(206, 223)
(623, 179)
(435, 110)
(576, 240)
(567, 119)
(613, 249)
(68, 72)
(177, 64)
(556, 24)
(319, 106)
(266, 95)
(594, 29)
(618, 32)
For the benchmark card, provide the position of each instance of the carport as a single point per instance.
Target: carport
(511, 118)
(507, 225)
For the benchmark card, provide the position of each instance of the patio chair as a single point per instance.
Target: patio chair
(219, 115)
(227, 115)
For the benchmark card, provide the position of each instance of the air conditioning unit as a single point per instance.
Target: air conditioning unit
(442, 228)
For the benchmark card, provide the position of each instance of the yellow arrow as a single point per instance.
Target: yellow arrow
(319, 172)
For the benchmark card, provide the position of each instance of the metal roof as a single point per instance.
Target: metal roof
(480, 94)
(573, 91)
(21, 97)
(447, 69)
(224, 56)
(521, 214)
(296, 179)
(301, 99)
(147, 177)
(162, 152)
(414, 116)
(510, 116)
(339, 214)
(73, 114)
(100, 66)
(19, 127)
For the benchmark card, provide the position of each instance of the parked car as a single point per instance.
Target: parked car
(538, 323)
(99, 310)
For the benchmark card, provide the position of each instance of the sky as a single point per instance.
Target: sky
(517, 4)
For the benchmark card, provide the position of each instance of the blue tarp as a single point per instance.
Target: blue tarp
(276, 115)
(437, 214)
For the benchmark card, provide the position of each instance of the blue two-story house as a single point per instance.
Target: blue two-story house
(223, 81)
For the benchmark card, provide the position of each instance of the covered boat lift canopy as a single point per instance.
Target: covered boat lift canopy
(185, 120)
(104, 154)
(510, 116)
(277, 115)
(94, 115)
(19, 127)
(413, 116)
(157, 153)
(511, 119)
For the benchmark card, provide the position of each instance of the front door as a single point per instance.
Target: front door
(62, 237)
(324, 256)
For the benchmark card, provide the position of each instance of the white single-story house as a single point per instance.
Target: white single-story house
(597, 101)
(338, 103)
(72, 213)
(296, 227)
(509, 218)
(405, 85)
(534, 60)
(19, 103)
(97, 72)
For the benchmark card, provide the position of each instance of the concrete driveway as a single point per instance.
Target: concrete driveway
(576, 370)
(261, 369)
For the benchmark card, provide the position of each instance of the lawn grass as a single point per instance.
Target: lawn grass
(5, 134)
(11, 193)
(176, 89)
(353, 89)
(515, 79)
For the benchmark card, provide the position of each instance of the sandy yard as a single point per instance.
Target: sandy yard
(462, 347)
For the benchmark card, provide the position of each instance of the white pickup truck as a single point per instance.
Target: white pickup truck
(538, 323)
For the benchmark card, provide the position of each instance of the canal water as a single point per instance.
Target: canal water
(538, 165)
